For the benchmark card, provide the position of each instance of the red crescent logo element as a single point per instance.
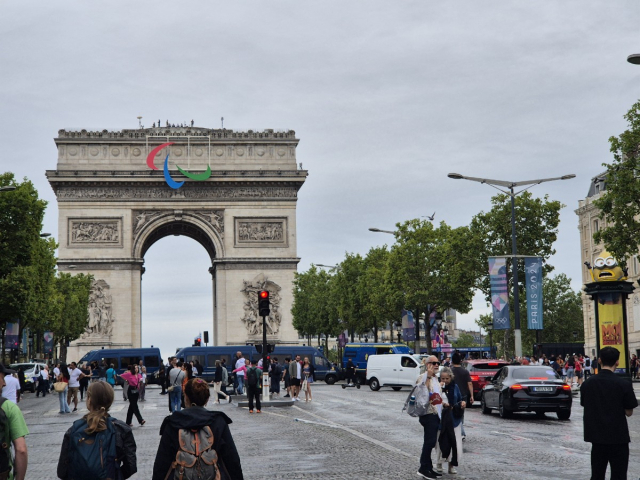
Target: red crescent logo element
(153, 153)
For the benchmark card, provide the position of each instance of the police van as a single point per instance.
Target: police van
(207, 357)
(121, 358)
(359, 354)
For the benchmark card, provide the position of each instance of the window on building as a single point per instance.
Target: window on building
(596, 226)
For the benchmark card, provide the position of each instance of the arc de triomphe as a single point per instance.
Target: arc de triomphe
(115, 200)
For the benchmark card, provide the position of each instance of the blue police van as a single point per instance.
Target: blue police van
(207, 357)
(121, 358)
(359, 354)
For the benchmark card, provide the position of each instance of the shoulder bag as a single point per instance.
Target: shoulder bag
(175, 384)
(59, 386)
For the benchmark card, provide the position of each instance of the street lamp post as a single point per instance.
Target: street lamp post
(634, 58)
(514, 249)
(489, 329)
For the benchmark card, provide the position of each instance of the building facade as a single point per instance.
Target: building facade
(589, 222)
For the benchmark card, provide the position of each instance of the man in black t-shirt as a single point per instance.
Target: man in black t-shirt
(462, 379)
(607, 400)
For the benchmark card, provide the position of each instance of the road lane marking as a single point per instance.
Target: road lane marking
(328, 423)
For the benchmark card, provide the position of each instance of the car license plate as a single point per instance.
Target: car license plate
(543, 389)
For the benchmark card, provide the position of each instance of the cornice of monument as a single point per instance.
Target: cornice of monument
(177, 134)
(89, 174)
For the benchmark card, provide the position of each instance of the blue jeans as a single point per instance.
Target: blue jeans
(64, 406)
(240, 384)
(430, 423)
(175, 398)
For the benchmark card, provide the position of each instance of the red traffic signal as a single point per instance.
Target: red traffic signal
(263, 303)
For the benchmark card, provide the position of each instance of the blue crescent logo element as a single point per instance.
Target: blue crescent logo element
(170, 181)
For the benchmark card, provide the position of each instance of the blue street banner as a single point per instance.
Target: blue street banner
(408, 326)
(499, 293)
(11, 335)
(533, 275)
(48, 342)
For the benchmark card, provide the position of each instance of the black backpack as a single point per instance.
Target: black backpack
(587, 362)
(5, 455)
(252, 377)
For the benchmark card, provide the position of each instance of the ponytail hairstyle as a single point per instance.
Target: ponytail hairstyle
(100, 396)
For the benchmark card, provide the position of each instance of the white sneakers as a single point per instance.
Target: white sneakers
(452, 470)
(438, 468)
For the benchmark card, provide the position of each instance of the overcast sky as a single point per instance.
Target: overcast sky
(386, 98)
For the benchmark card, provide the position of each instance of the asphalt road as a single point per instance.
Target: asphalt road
(349, 434)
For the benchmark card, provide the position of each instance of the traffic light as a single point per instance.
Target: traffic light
(258, 347)
(270, 348)
(196, 342)
(263, 303)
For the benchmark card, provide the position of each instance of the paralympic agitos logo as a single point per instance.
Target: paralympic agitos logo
(170, 181)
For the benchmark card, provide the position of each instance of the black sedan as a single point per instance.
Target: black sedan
(527, 388)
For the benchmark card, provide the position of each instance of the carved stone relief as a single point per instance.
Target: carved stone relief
(214, 217)
(100, 311)
(162, 192)
(251, 319)
(95, 232)
(261, 231)
(141, 217)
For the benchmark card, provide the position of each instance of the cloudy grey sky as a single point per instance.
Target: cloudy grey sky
(386, 98)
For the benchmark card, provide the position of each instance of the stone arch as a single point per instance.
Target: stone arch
(189, 224)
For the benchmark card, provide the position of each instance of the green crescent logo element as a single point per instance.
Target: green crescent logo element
(196, 176)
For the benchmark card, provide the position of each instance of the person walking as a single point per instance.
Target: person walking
(62, 396)
(607, 400)
(143, 382)
(75, 374)
(162, 379)
(295, 372)
(11, 389)
(84, 380)
(462, 379)
(275, 373)
(196, 422)
(431, 421)
(252, 377)
(217, 383)
(587, 367)
(452, 412)
(350, 372)
(240, 362)
(43, 386)
(176, 375)
(15, 431)
(286, 376)
(309, 377)
(99, 399)
(132, 379)
(102, 371)
(111, 376)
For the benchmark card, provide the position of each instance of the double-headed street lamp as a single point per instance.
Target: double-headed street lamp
(514, 249)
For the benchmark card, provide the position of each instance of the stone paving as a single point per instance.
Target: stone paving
(348, 434)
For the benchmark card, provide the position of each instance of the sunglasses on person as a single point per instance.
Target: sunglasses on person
(437, 364)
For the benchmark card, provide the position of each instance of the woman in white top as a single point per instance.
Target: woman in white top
(431, 421)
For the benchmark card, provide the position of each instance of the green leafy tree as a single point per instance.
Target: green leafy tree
(347, 294)
(379, 305)
(72, 307)
(429, 269)
(465, 340)
(537, 221)
(620, 203)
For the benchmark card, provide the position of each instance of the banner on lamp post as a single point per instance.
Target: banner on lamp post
(48, 342)
(11, 335)
(533, 275)
(499, 293)
(408, 326)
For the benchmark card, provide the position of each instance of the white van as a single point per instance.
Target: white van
(395, 370)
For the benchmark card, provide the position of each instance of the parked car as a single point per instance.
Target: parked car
(392, 370)
(360, 352)
(31, 373)
(527, 388)
(481, 371)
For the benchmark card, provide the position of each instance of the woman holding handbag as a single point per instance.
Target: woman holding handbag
(452, 411)
(133, 379)
(63, 389)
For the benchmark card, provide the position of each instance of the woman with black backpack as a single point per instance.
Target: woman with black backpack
(111, 453)
(195, 425)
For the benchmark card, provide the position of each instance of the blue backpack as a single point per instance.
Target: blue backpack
(93, 455)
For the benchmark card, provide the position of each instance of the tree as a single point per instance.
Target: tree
(620, 203)
(537, 221)
(465, 340)
(429, 269)
(379, 305)
(72, 299)
(347, 295)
